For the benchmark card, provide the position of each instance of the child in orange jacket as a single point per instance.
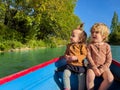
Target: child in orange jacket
(75, 54)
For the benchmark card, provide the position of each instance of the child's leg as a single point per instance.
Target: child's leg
(81, 81)
(66, 79)
(90, 79)
(107, 80)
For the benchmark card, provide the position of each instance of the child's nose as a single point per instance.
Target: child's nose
(93, 33)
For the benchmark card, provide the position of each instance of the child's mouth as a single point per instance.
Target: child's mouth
(94, 37)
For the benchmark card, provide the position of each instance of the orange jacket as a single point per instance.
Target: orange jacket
(78, 50)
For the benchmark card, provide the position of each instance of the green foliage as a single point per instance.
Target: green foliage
(2, 47)
(37, 22)
(57, 18)
(2, 12)
(114, 22)
(8, 34)
(54, 41)
(50, 42)
(35, 43)
(114, 37)
(7, 45)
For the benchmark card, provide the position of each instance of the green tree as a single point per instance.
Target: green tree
(114, 37)
(114, 22)
(2, 12)
(38, 19)
(17, 16)
(55, 18)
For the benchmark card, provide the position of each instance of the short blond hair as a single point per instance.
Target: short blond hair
(102, 28)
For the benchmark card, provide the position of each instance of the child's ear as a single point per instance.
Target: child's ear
(103, 36)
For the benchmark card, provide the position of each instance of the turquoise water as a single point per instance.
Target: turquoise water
(12, 62)
(116, 52)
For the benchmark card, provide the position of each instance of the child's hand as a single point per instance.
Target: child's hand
(96, 71)
(70, 58)
(101, 70)
(67, 57)
(73, 58)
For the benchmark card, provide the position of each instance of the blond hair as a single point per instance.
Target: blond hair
(102, 28)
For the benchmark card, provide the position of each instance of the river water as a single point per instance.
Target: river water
(12, 62)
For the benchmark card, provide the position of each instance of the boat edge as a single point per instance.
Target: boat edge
(26, 71)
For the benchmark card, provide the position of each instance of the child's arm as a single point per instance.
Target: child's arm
(108, 57)
(90, 60)
(94, 67)
(108, 61)
(92, 64)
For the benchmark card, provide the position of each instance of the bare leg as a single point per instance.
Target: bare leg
(66, 79)
(107, 80)
(90, 79)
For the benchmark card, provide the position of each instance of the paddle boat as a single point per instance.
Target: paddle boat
(45, 77)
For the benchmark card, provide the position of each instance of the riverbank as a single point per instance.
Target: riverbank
(20, 49)
(25, 48)
(11, 46)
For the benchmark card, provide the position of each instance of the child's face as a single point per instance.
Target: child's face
(96, 36)
(75, 36)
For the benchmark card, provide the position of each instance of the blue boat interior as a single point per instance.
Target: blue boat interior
(48, 78)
